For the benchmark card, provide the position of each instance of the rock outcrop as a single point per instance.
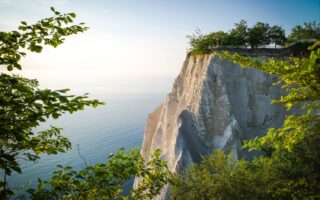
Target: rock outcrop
(214, 104)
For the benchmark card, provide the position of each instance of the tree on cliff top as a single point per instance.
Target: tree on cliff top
(198, 41)
(310, 30)
(239, 34)
(258, 35)
(277, 35)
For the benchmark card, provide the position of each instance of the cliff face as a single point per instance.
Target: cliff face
(214, 104)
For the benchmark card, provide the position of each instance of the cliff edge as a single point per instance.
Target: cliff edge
(214, 104)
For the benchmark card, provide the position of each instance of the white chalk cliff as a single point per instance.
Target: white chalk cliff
(214, 104)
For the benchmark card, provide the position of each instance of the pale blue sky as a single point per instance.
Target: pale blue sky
(139, 39)
(168, 16)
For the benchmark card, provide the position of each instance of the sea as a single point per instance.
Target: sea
(97, 132)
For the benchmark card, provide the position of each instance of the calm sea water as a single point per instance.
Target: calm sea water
(100, 131)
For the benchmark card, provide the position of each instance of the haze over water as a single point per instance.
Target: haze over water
(100, 131)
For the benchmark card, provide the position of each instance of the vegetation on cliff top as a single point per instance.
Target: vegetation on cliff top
(259, 35)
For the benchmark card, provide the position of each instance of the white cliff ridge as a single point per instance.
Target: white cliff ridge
(214, 104)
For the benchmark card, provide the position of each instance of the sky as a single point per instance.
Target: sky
(137, 40)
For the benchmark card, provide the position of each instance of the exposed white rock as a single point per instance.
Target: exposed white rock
(214, 103)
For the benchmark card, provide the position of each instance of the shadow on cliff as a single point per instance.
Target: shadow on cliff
(192, 144)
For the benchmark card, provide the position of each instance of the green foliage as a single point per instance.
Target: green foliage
(219, 38)
(258, 35)
(205, 43)
(199, 43)
(294, 148)
(277, 35)
(289, 164)
(310, 30)
(105, 180)
(239, 34)
(23, 105)
(219, 177)
(49, 31)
